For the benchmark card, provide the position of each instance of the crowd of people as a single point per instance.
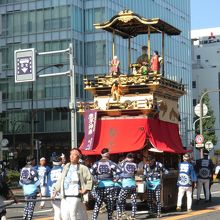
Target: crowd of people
(69, 186)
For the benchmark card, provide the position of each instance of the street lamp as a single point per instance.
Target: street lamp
(32, 104)
(201, 113)
(194, 123)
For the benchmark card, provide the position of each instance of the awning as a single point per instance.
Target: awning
(164, 136)
(122, 135)
(128, 24)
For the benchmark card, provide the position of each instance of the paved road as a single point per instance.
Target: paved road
(203, 211)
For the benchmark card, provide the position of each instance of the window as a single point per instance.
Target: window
(95, 53)
(93, 16)
(194, 102)
(198, 57)
(56, 120)
(48, 120)
(193, 84)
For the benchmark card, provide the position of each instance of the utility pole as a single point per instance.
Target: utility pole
(72, 104)
(32, 118)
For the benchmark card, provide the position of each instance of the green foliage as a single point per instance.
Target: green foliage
(217, 152)
(215, 160)
(208, 124)
(12, 176)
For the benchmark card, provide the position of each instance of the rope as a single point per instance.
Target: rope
(7, 204)
(32, 200)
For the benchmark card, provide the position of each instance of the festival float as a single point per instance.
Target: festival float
(136, 111)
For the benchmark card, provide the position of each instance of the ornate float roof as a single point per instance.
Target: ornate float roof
(128, 24)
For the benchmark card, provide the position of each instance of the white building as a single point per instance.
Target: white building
(206, 69)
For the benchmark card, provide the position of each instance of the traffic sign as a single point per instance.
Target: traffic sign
(209, 145)
(199, 145)
(199, 139)
(4, 142)
(197, 110)
(25, 65)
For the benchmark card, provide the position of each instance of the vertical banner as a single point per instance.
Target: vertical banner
(90, 119)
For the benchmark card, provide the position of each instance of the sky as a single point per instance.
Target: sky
(205, 14)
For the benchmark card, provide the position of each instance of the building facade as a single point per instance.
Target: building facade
(52, 25)
(206, 69)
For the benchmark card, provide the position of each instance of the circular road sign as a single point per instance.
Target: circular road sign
(209, 145)
(4, 142)
(197, 110)
(199, 139)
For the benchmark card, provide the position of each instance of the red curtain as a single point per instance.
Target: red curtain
(164, 136)
(126, 135)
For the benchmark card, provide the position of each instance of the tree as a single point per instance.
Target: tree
(208, 123)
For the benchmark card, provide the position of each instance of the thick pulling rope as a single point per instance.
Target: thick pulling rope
(32, 200)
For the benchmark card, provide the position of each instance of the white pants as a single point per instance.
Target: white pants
(199, 188)
(43, 190)
(181, 192)
(56, 208)
(71, 206)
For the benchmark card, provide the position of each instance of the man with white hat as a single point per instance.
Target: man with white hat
(185, 180)
(43, 171)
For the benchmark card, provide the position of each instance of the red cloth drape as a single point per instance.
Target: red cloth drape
(129, 134)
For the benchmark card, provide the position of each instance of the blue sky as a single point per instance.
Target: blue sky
(205, 14)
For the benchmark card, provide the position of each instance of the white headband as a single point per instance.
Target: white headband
(56, 163)
(129, 159)
(105, 154)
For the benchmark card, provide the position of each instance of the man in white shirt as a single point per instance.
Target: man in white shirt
(74, 183)
(43, 171)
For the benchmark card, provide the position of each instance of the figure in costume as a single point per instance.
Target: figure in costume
(115, 66)
(53, 176)
(152, 172)
(103, 171)
(116, 91)
(155, 63)
(186, 178)
(129, 168)
(142, 61)
(204, 169)
(42, 171)
(31, 187)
